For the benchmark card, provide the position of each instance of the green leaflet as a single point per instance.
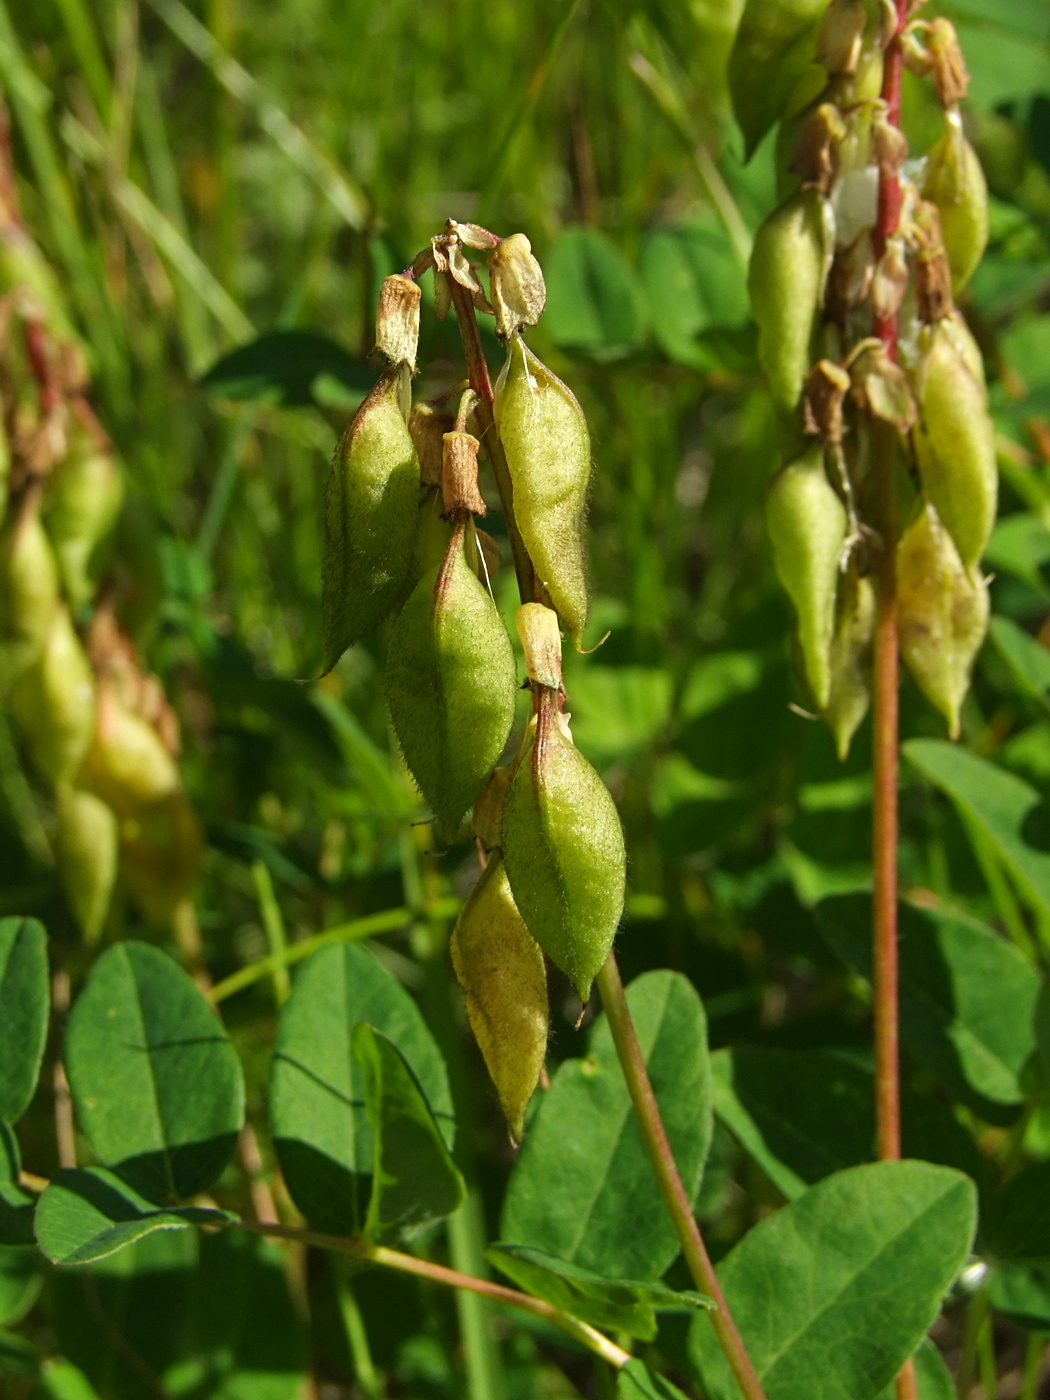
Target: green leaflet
(451, 684)
(773, 49)
(370, 512)
(564, 853)
(25, 996)
(16, 1205)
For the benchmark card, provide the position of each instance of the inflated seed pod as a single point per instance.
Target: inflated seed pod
(86, 845)
(160, 854)
(451, 684)
(564, 851)
(785, 281)
(954, 440)
(370, 517)
(127, 764)
(943, 610)
(5, 468)
(544, 435)
(487, 819)
(955, 182)
(850, 691)
(807, 525)
(53, 703)
(500, 967)
(84, 496)
(29, 593)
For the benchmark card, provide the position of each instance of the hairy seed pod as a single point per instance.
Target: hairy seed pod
(955, 183)
(544, 435)
(954, 440)
(160, 854)
(53, 703)
(128, 764)
(500, 967)
(84, 496)
(564, 851)
(850, 692)
(86, 845)
(807, 525)
(785, 281)
(451, 684)
(370, 517)
(943, 614)
(29, 593)
(487, 820)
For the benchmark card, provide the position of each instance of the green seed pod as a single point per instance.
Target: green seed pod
(53, 703)
(564, 851)
(500, 968)
(450, 684)
(850, 693)
(544, 435)
(84, 496)
(160, 854)
(955, 183)
(807, 525)
(943, 614)
(86, 844)
(370, 517)
(29, 593)
(487, 820)
(127, 765)
(5, 468)
(955, 440)
(26, 272)
(785, 282)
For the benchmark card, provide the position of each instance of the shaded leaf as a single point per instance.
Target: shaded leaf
(290, 369)
(582, 1188)
(157, 1085)
(1021, 1292)
(321, 1127)
(16, 1205)
(86, 1215)
(19, 1282)
(414, 1180)
(1015, 1225)
(1027, 660)
(1020, 545)
(834, 1292)
(771, 52)
(18, 1355)
(636, 1382)
(595, 302)
(625, 1305)
(24, 1006)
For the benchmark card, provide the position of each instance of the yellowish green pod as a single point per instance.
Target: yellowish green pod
(451, 684)
(370, 516)
(500, 967)
(850, 693)
(785, 282)
(127, 764)
(86, 845)
(954, 439)
(5, 468)
(160, 854)
(943, 610)
(84, 496)
(544, 435)
(53, 703)
(29, 593)
(955, 182)
(564, 852)
(807, 525)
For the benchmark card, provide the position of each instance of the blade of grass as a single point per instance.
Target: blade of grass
(84, 41)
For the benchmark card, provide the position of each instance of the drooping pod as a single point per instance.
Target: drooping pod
(954, 439)
(160, 854)
(807, 525)
(451, 683)
(53, 702)
(785, 282)
(127, 765)
(29, 593)
(563, 849)
(370, 517)
(500, 967)
(86, 846)
(955, 183)
(943, 610)
(544, 435)
(84, 496)
(850, 692)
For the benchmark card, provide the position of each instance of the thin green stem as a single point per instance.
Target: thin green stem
(365, 1373)
(466, 1236)
(1033, 1365)
(678, 1205)
(273, 924)
(986, 1358)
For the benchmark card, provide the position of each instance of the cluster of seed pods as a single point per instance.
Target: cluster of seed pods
(820, 287)
(403, 550)
(96, 730)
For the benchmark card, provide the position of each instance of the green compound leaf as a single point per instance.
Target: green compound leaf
(24, 1006)
(623, 1305)
(16, 1205)
(582, 1188)
(156, 1082)
(636, 1382)
(87, 1215)
(1005, 808)
(321, 1127)
(834, 1293)
(595, 302)
(771, 53)
(967, 998)
(414, 1180)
